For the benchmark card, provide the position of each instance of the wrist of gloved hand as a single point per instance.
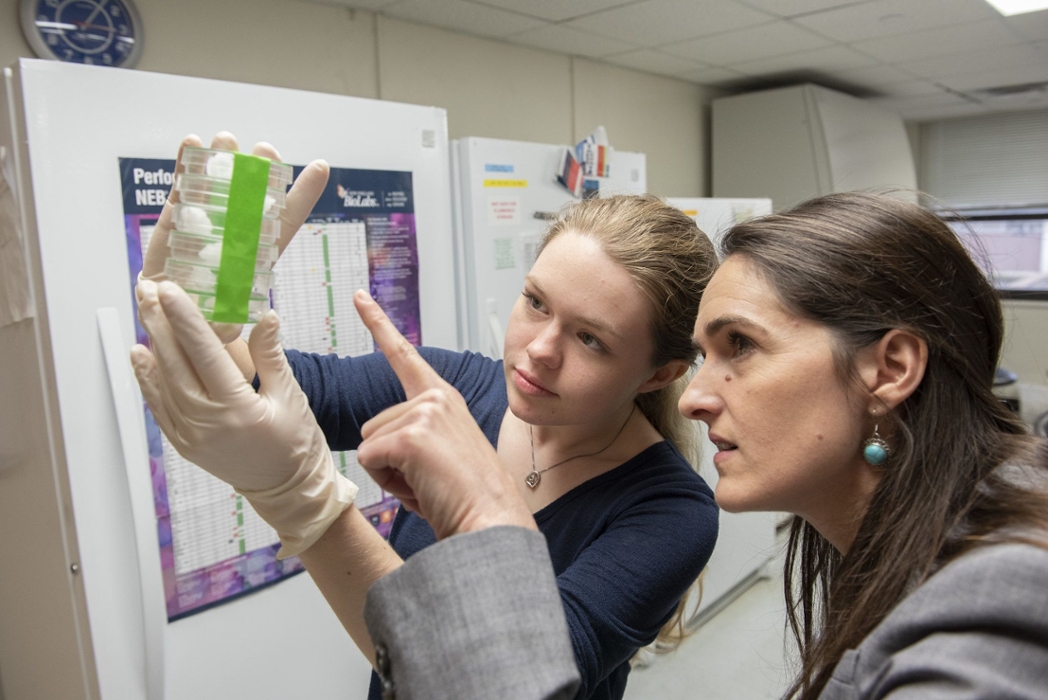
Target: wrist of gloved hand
(267, 444)
(302, 509)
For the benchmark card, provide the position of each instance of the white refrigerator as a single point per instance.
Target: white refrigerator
(715, 215)
(127, 575)
(504, 193)
(747, 540)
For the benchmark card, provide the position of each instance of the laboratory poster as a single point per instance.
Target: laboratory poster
(361, 234)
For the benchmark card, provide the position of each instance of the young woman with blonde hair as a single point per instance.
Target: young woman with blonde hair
(582, 415)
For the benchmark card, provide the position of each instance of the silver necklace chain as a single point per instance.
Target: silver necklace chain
(533, 479)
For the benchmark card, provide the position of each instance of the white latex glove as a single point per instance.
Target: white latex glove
(266, 445)
(301, 198)
(429, 451)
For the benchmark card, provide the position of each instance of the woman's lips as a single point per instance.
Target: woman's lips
(529, 386)
(723, 456)
(724, 447)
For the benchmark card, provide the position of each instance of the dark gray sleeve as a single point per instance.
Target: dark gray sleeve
(977, 629)
(474, 616)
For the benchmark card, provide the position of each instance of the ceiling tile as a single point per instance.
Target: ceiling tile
(658, 22)
(564, 39)
(878, 75)
(910, 88)
(914, 113)
(829, 59)
(554, 10)
(935, 100)
(792, 8)
(977, 80)
(880, 18)
(923, 108)
(775, 39)
(1032, 25)
(712, 76)
(654, 62)
(898, 49)
(360, 4)
(462, 16)
(986, 34)
(1012, 103)
(977, 61)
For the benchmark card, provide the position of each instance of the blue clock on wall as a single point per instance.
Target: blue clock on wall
(93, 32)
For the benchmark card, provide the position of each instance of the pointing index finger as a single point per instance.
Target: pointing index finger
(414, 372)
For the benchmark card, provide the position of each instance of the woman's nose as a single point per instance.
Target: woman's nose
(699, 401)
(543, 349)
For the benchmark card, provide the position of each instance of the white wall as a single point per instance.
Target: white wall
(490, 88)
(1025, 350)
(913, 132)
(273, 42)
(666, 119)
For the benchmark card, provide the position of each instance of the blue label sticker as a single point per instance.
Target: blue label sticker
(495, 168)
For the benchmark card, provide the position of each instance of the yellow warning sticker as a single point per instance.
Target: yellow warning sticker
(505, 183)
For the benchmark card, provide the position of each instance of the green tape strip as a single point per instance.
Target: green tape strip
(236, 269)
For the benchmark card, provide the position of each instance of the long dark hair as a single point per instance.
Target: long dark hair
(963, 471)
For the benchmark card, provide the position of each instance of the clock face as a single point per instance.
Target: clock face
(93, 32)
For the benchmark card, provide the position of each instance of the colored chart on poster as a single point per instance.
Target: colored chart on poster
(360, 235)
(213, 546)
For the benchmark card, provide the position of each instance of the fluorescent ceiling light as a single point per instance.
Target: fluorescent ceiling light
(1018, 7)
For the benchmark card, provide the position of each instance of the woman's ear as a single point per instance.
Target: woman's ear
(667, 374)
(893, 367)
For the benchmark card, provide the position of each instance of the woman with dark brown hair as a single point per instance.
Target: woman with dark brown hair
(850, 346)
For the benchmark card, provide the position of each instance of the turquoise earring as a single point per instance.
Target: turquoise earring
(875, 450)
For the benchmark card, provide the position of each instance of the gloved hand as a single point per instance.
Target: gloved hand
(304, 193)
(266, 445)
(429, 451)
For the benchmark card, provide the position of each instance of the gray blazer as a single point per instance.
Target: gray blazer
(475, 616)
(976, 629)
(479, 616)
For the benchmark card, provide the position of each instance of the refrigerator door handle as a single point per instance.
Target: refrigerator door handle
(127, 401)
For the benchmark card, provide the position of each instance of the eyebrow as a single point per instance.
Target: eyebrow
(593, 323)
(716, 324)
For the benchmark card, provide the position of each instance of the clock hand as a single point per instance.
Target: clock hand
(103, 27)
(98, 8)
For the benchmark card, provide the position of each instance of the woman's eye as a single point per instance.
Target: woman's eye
(590, 341)
(740, 343)
(533, 301)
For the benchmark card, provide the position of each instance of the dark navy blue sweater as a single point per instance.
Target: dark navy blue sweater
(625, 545)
